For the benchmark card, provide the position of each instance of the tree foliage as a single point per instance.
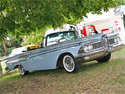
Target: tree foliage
(21, 17)
(33, 37)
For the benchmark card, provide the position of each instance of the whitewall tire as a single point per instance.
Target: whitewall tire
(70, 65)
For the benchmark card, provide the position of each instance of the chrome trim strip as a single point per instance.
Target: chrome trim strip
(23, 58)
(51, 50)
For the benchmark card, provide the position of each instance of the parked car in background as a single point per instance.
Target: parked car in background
(65, 49)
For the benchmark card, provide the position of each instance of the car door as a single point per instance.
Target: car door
(43, 60)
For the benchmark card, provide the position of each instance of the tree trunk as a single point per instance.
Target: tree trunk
(0, 70)
(4, 47)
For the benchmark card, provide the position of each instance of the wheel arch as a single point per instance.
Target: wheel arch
(59, 61)
(16, 66)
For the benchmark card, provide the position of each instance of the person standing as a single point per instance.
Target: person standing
(94, 29)
(84, 31)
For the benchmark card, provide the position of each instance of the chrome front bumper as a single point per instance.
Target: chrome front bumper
(88, 56)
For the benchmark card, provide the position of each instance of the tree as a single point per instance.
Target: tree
(0, 70)
(21, 17)
(34, 37)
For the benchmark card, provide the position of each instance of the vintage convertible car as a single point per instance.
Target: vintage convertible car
(65, 49)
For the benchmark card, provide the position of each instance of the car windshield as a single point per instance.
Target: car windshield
(60, 37)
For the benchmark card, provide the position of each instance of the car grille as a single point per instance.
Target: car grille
(111, 41)
(97, 45)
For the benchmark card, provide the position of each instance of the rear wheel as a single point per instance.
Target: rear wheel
(22, 71)
(70, 65)
(105, 59)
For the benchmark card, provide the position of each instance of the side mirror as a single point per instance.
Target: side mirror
(41, 45)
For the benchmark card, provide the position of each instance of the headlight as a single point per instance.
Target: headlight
(86, 48)
(117, 39)
(90, 47)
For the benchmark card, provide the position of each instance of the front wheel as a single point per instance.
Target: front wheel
(70, 65)
(22, 71)
(105, 58)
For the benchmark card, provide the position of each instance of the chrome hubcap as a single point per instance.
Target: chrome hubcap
(68, 63)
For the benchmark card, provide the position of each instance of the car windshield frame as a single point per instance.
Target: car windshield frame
(60, 37)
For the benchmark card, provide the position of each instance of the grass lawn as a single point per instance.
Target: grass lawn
(94, 78)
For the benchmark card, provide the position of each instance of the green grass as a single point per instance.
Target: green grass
(93, 78)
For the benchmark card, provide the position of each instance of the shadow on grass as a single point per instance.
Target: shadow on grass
(47, 72)
(91, 65)
(84, 67)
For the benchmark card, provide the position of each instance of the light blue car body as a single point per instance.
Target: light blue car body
(47, 58)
